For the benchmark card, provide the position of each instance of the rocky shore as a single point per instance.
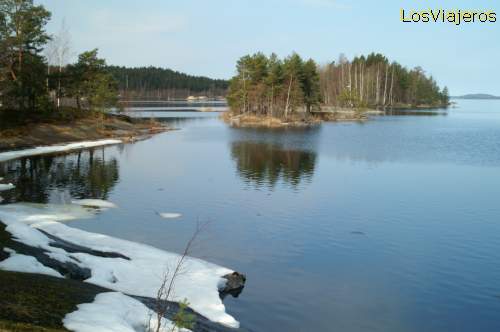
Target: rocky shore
(84, 129)
(300, 119)
(36, 302)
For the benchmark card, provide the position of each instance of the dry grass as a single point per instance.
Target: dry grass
(251, 120)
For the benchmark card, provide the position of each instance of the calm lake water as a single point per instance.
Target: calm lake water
(389, 225)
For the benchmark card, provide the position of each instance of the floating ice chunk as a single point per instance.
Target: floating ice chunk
(169, 215)
(112, 312)
(142, 275)
(22, 263)
(29, 213)
(8, 186)
(4, 156)
(95, 203)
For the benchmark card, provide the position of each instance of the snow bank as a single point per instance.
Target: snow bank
(23, 263)
(8, 186)
(142, 275)
(4, 156)
(113, 312)
(168, 215)
(97, 203)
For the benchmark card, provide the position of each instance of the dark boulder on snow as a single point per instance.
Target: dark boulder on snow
(234, 285)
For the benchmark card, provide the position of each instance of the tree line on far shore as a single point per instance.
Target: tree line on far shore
(164, 84)
(282, 87)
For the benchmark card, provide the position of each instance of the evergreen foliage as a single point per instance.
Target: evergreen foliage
(269, 86)
(274, 87)
(154, 82)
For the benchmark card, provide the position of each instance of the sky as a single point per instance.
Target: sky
(202, 37)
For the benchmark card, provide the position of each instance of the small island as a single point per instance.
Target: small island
(274, 92)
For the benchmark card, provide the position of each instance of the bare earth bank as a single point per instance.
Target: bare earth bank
(85, 129)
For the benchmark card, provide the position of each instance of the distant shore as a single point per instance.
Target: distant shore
(84, 129)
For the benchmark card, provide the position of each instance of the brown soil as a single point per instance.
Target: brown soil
(85, 129)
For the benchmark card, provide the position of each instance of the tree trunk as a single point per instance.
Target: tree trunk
(385, 83)
(288, 96)
(392, 84)
(377, 86)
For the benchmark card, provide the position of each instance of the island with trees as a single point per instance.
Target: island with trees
(270, 91)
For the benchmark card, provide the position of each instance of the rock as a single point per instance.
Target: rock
(67, 246)
(234, 285)
(201, 323)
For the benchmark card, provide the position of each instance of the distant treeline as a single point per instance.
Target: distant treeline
(161, 83)
(272, 86)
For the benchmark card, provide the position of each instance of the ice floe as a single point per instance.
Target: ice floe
(9, 155)
(29, 213)
(113, 312)
(169, 215)
(141, 275)
(96, 203)
(5, 187)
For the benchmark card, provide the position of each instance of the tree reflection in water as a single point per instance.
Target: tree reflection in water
(57, 179)
(264, 164)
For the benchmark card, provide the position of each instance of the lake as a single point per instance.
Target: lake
(388, 225)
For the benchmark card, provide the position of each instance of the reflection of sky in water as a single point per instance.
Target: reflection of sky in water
(388, 225)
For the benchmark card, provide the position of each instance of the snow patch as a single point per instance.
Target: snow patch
(96, 203)
(113, 312)
(8, 186)
(23, 263)
(142, 275)
(4, 156)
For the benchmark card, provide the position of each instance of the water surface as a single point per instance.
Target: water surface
(388, 225)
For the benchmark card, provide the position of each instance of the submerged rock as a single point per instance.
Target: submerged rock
(67, 246)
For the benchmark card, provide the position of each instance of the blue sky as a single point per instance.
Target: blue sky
(207, 37)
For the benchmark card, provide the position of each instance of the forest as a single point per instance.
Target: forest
(277, 87)
(164, 84)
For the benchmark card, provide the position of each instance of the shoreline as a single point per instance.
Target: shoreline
(326, 114)
(86, 129)
(297, 121)
(48, 255)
